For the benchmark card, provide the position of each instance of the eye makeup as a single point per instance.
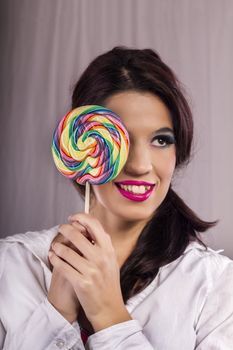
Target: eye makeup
(167, 138)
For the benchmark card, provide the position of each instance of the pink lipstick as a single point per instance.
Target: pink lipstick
(136, 197)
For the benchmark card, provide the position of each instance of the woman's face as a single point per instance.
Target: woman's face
(152, 157)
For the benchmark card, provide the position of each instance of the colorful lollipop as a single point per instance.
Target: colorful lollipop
(90, 145)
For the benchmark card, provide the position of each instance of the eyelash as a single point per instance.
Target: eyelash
(166, 138)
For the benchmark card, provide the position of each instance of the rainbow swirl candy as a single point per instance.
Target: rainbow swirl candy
(90, 144)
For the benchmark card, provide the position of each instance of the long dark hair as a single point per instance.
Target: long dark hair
(165, 237)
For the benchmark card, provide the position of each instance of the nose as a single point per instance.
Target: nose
(138, 161)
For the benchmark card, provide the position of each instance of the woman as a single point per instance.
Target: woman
(134, 273)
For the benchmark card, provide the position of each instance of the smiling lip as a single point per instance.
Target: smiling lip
(132, 196)
(137, 183)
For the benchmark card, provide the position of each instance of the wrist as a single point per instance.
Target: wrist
(108, 319)
(69, 316)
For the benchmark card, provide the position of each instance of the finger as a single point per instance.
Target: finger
(72, 258)
(82, 229)
(78, 225)
(94, 228)
(67, 271)
(60, 238)
(79, 240)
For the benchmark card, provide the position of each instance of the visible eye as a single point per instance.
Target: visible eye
(164, 140)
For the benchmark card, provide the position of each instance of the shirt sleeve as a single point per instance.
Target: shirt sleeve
(126, 335)
(46, 329)
(27, 319)
(215, 324)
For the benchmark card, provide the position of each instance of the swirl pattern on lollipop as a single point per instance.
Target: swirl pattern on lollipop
(90, 144)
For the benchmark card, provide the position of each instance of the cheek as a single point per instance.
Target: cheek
(165, 166)
(101, 191)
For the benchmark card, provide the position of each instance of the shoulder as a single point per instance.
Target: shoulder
(16, 249)
(203, 278)
(31, 236)
(198, 255)
(215, 318)
(199, 267)
(211, 262)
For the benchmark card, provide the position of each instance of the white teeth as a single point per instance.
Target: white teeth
(135, 189)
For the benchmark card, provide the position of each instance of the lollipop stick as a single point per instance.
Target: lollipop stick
(87, 197)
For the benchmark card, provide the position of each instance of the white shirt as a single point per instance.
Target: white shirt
(188, 305)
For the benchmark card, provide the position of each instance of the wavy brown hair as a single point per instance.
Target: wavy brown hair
(173, 225)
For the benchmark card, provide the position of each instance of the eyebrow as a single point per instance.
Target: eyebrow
(158, 131)
(164, 130)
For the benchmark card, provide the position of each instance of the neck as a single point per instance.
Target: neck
(124, 234)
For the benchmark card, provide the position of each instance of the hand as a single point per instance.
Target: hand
(93, 273)
(61, 293)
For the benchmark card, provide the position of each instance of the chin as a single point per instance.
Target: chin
(135, 215)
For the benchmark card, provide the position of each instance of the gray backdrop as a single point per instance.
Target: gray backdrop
(45, 45)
